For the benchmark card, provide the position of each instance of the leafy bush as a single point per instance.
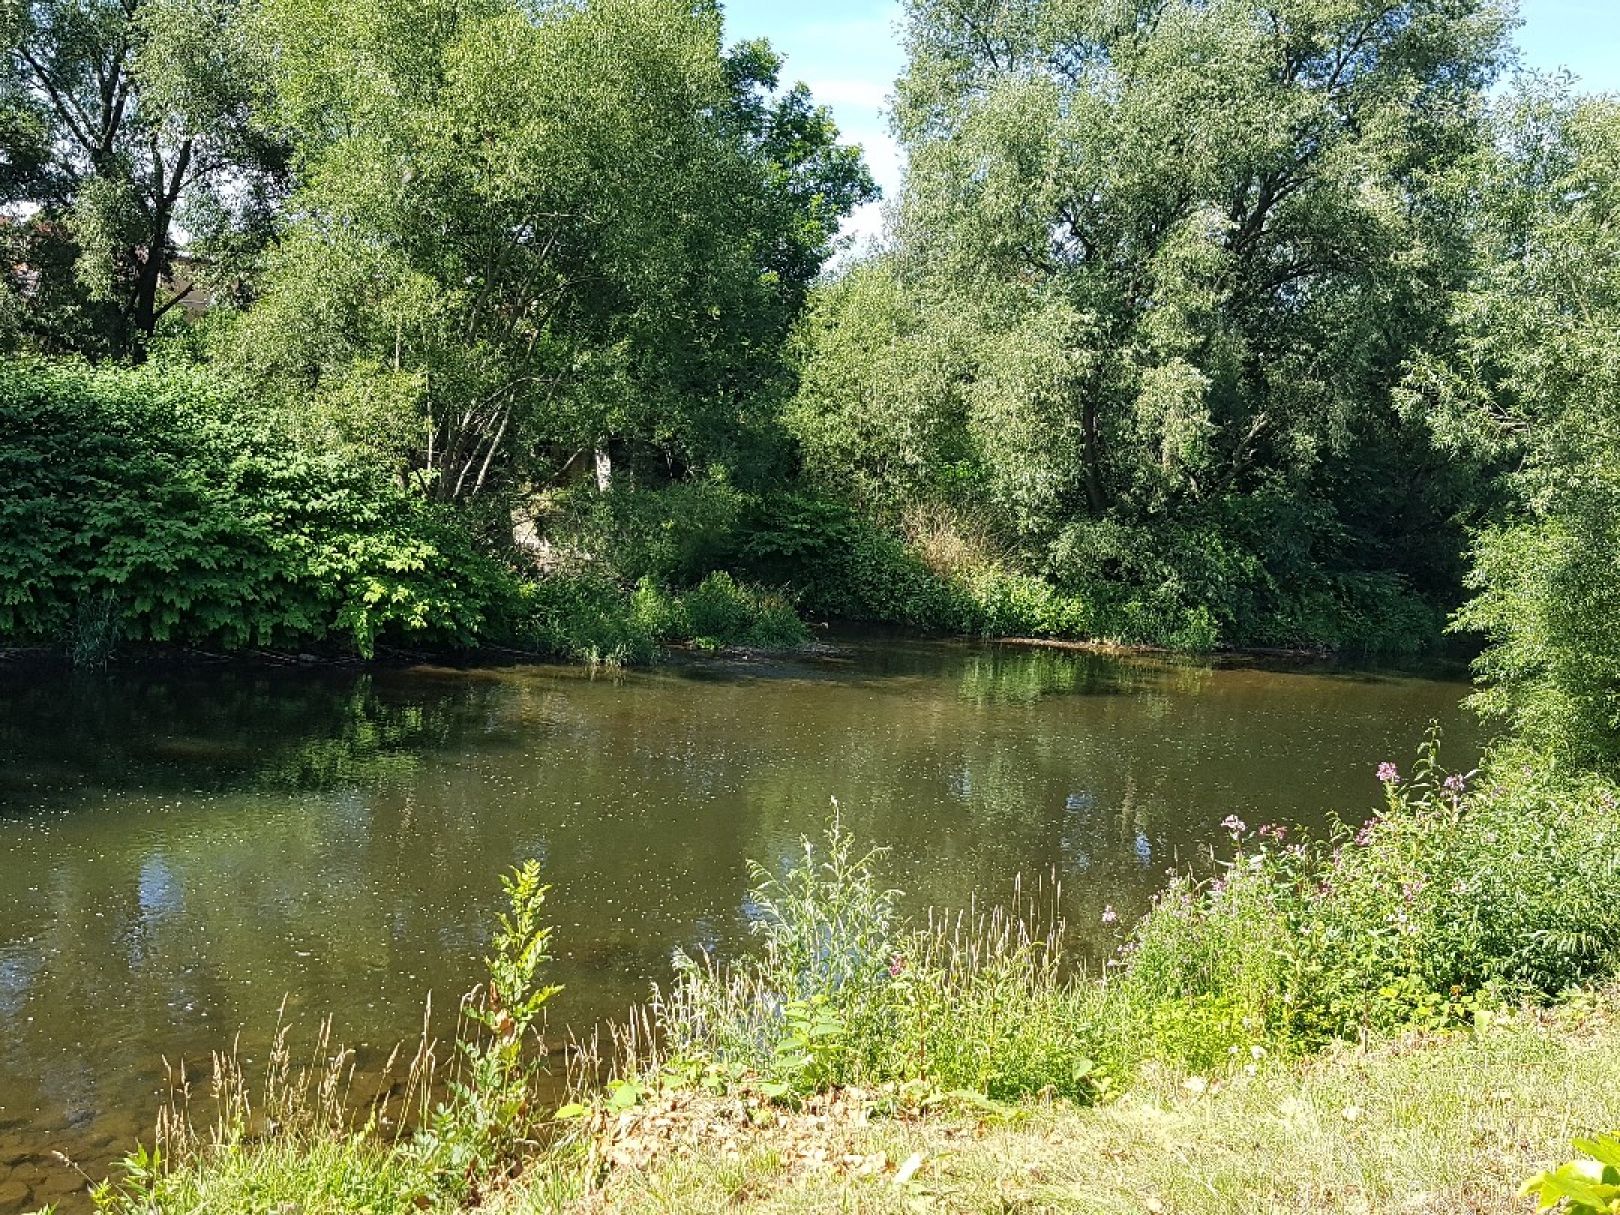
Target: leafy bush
(674, 534)
(1262, 571)
(155, 505)
(474, 1135)
(1191, 587)
(1463, 891)
(720, 612)
(1549, 598)
(588, 617)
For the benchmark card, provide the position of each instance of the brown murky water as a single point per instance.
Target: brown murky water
(181, 851)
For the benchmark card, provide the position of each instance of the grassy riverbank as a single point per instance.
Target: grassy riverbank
(1423, 1122)
(1402, 1013)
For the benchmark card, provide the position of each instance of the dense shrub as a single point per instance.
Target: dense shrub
(1549, 599)
(674, 534)
(1185, 587)
(1462, 891)
(155, 504)
(589, 617)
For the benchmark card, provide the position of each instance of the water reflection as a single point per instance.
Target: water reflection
(180, 852)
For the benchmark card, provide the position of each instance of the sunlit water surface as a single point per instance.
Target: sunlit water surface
(180, 852)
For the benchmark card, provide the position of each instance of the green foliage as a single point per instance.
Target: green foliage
(1462, 892)
(586, 617)
(674, 534)
(840, 993)
(1148, 323)
(489, 1117)
(719, 612)
(526, 233)
(154, 505)
(1532, 382)
(132, 122)
(589, 618)
(1590, 1186)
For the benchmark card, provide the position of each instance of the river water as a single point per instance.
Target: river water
(180, 852)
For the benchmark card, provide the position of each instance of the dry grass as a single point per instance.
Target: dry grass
(1437, 1124)
(949, 542)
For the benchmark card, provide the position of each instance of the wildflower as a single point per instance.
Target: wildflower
(1234, 825)
(1456, 782)
(1109, 915)
(897, 966)
(1365, 835)
(1274, 831)
(1410, 890)
(1388, 773)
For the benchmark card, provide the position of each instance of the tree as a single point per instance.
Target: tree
(136, 121)
(1533, 383)
(1187, 246)
(526, 233)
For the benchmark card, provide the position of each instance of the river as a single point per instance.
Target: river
(182, 851)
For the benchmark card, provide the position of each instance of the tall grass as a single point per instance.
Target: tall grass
(302, 1139)
(840, 992)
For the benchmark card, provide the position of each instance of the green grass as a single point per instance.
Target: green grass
(1433, 1123)
(309, 1174)
(1424, 1123)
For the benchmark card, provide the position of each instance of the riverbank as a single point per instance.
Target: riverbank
(1429, 1122)
(1422, 1123)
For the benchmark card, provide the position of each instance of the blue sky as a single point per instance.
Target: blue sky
(848, 51)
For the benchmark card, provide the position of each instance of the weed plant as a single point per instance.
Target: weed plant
(300, 1143)
(839, 993)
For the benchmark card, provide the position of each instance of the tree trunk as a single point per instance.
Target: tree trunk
(1091, 458)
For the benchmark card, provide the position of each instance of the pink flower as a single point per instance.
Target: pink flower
(1389, 773)
(897, 966)
(1109, 915)
(1234, 825)
(1456, 782)
(1274, 831)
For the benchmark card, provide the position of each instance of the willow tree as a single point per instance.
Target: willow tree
(527, 232)
(1183, 247)
(1532, 384)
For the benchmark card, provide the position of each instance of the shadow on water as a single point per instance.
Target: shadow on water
(183, 849)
